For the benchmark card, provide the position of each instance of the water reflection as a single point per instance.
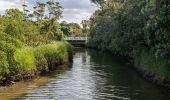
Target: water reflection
(97, 76)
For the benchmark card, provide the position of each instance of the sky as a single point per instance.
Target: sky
(74, 10)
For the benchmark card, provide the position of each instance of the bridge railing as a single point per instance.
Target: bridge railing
(76, 38)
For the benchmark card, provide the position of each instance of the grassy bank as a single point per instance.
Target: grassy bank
(27, 47)
(152, 68)
(24, 62)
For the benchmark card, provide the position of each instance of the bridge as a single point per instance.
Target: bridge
(76, 41)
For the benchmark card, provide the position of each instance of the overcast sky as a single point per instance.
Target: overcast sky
(74, 10)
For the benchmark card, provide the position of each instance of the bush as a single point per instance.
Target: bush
(25, 58)
(62, 52)
(9, 39)
(54, 53)
(41, 64)
(23, 62)
(4, 66)
(9, 49)
(17, 59)
(156, 66)
(49, 51)
(69, 49)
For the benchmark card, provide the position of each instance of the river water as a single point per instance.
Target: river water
(95, 76)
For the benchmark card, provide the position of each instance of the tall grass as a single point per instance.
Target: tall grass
(25, 58)
(155, 66)
(55, 53)
(26, 61)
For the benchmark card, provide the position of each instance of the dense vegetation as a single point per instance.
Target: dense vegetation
(139, 29)
(27, 42)
(74, 29)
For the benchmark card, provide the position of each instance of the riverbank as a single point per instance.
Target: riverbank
(89, 71)
(9, 92)
(138, 30)
(28, 62)
(22, 87)
(155, 70)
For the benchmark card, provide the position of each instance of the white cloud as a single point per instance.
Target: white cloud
(77, 10)
(74, 10)
(76, 15)
(6, 4)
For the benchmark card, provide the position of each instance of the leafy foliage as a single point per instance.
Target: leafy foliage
(14, 14)
(135, 28)
(25, 58)
(73, 29)
(26, 46)
(4, 66)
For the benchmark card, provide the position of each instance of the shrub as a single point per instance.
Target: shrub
(25, 58)
(9, 49)
(41, 64)
(49, 51)
(9, 39)
(62, 52)
(69, 50)
(23, 62)
(54, 53)
(4, 66)
(156, 66)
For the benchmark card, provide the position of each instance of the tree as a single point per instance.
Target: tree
(47, 18)
(14, 14)
(51, 29)
(134, 28)
(54, 9)
(65, 28)
(98, 2)
(71, 29)
(85, 24)
(39, 10)
(75, 29)
(25, 9)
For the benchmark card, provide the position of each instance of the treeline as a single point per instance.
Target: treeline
(51, 9)
(74, 29)
(27, 46)
(139, 29)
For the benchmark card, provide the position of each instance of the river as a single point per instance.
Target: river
(92, 76)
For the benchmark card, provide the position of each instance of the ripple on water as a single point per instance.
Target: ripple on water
(89, 79)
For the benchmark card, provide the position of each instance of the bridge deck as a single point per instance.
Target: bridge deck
(76, 38)
(76, 41)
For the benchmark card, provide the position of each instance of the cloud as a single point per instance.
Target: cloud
(74, 10)
(77, 10)
(72, 4)
(6, 4)
(75, 15)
